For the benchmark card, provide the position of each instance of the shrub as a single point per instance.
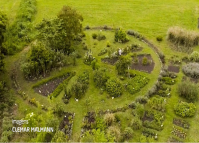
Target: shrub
(140, 110)
(94, 35)
(114, 131)
(114, 87)
(128, 133)
(168, 80)
(85, 47)
(136, 123)
(59, 109)
(180, 36)
(80, 87)
(135, 34)
(100, 78)
(122, 64)
(108, 44)
(185, 109)
(109, 118)
(88, 58)
(194, 56)
(191, 70)
(87, 27)
(94, 65)
(120, 36)
(159, 38)
(157, 103)
(145, 61)
(188, 90)
(141, 100)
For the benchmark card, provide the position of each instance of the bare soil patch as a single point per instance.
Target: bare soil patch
(172, 68)
(48, 88)
(139, 66)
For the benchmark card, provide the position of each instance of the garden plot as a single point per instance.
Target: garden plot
(67, 124)
(48, 88)
(172, 68)
(138, 63)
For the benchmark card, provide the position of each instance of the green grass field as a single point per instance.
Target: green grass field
(151, 18)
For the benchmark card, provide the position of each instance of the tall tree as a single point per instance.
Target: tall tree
(3, 23)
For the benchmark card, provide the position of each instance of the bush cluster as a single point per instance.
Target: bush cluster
(136, 123)
(185, 109)
(100, 78)
(114, 87)
(188, 90)
(180, 36)
(80, 87)
(135, 84)
(191, 70)
(120, 36)
(135, 34)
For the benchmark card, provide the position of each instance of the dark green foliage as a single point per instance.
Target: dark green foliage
(100, 78)
(20, 33)
(159, 38)
(3, 23)
(41, 60)
(157, 103)
(94, 35)
(122, 64)
(188, 90)
(120, 36)
(80, 87)
(136, 84)
(114, 87)
(185, 109)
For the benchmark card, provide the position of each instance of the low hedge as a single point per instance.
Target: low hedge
(44, 81)
(60, 87)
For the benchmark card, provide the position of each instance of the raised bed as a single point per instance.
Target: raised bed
(181, 123)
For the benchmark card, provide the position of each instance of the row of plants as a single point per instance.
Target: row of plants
(60, 87)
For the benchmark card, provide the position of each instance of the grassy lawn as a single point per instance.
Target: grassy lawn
(151, 18)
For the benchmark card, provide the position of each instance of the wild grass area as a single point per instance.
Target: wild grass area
(118, 88)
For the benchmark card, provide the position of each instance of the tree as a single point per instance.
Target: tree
(122, 64)
(3, 23)
(59, 33)
(72, 22)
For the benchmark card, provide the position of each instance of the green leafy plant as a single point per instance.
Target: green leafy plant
(184, 109)
(145, 61)
(114, 87)
(120, 36)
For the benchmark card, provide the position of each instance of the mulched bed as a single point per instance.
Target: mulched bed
(139, 66)
(48, 88)
(67, 123)
(181, 123)
(111, 61)
(88, 122)
(175, 69)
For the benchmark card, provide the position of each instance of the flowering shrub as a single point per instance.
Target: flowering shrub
(191, 69)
